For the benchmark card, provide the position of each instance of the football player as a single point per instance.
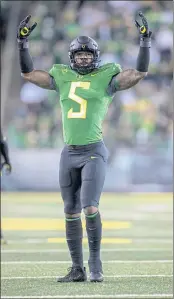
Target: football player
(85, 91)
(5, 163)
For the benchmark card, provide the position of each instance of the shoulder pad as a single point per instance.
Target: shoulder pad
(111, 67)
(58, 68)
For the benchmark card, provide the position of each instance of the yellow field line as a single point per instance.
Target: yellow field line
(104, 240)
(55, 197)
(52, 224)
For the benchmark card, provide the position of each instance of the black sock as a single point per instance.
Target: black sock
(74, 240)
(94, 232)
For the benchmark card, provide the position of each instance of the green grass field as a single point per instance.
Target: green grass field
(136, 247)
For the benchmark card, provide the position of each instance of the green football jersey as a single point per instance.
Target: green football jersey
(84, 101)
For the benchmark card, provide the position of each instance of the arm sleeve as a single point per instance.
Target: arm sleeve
(25, 60)
(143, 59)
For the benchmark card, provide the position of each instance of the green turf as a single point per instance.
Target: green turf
(110, 286)
(109, 269)
(53, 256)
(150, 232)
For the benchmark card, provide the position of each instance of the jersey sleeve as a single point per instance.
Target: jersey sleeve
(55, 74)
(115, 70)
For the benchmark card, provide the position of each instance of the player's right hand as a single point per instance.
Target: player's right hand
(24, 30)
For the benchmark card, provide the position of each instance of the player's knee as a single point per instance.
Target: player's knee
(90, 210)
(71, 216)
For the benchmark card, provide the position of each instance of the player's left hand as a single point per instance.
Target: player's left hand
(7, 167)
(144, 28)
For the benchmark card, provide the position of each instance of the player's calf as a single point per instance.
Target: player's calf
(74, 236)
(77, 273)
(94, 232)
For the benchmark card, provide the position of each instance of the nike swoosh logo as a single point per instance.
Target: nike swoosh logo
(92, 157)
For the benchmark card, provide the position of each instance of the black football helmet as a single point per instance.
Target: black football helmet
(86, 44)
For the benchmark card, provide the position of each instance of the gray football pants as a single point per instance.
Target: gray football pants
(81, 175)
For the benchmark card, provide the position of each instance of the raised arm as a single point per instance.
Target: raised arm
(37, 77)
(131, 77)
(40, 78)
(128, 78)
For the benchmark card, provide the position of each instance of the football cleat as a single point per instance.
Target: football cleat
(75, 274)
(96, 277)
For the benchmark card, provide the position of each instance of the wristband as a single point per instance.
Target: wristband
(145, 42)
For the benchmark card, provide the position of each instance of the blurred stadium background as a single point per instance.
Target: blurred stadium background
(138, 131)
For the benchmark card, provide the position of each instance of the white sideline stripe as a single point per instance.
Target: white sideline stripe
(85, 250)
(104, 262)
(105, 276)
(96, 296)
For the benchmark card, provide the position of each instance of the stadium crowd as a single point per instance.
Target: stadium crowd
(139, 116)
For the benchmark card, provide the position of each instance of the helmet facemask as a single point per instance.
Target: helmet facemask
(84, 58)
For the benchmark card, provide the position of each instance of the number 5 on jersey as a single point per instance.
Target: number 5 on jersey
(82, 102)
